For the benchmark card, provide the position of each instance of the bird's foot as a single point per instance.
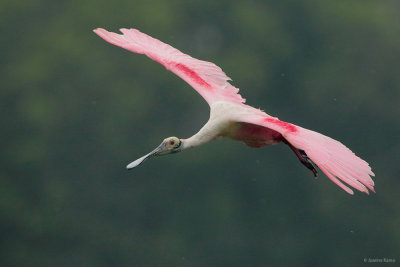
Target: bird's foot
(302, 156)
(306, 161)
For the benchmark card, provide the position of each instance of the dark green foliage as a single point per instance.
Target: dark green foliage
(75, 110)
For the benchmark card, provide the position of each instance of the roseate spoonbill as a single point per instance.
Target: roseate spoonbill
(231, 118)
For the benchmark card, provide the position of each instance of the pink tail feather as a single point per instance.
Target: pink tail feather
(337, 161)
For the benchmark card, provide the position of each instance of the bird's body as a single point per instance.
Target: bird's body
(224, 121)
(231, 118)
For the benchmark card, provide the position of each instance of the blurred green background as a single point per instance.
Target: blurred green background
(75, 110)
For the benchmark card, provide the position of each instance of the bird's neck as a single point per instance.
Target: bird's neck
(204, 136)
(191, 142)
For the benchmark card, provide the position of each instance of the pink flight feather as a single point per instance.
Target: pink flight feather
(205, 77)
(331, 156)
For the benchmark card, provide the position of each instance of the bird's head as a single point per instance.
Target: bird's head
(169, 145)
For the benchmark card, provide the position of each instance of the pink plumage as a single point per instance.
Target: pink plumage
(331, 156)
(230, 117)
(203, 76)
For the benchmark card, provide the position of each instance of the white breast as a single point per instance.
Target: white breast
(222, 115)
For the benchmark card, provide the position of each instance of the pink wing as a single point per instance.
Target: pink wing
(205, 77)
(331, 156)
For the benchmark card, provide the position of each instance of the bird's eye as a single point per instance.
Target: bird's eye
(172, 142)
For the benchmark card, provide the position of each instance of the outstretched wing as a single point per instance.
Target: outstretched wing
(205, 77)
(332, 157)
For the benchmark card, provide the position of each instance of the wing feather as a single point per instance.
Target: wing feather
(337, 161)
(205, 77)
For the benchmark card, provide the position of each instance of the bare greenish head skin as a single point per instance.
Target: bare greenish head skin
(169, 145)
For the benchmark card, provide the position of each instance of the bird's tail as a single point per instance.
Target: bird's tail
(334, 159)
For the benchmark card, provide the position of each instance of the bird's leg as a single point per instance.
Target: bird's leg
(302, 156)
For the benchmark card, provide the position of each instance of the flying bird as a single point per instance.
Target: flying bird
(231, 118)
